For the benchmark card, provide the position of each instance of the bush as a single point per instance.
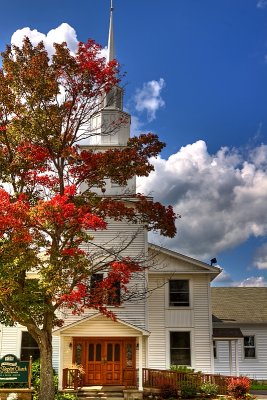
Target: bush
(65, 396)
(168, 391)
(188, 390)
(238, 387)
(181, 368)
(208, 389)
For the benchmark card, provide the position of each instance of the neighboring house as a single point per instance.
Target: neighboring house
(240, 331)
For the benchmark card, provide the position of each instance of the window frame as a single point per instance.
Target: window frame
(189, 291)
(23, 332)
(189, 332)
(215, 349)
(249, 347)
(108, 300)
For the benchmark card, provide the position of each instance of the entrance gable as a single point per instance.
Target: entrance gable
(101, 326)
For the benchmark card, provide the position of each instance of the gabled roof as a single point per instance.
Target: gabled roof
(97, 315)
(201, 266)
(231, 305)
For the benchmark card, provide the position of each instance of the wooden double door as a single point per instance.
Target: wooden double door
(105, 361)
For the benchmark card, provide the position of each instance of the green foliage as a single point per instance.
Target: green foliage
(209, 389)
(181, 368)
(168, 391)
(258, 385)
(188, 390)
(65, 396)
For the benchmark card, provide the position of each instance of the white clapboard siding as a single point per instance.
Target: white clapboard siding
(117, 235)
(202, 324)
(100, 326)
(156, 323)
(120, 236)
(55, 354)
(255, 367)
(195, 319)
(11, 338)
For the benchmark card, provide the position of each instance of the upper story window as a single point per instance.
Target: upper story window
(249, 347)
(110, 297)
(179, 293)
(29, 347)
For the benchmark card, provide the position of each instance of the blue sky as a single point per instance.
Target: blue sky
(196, 74)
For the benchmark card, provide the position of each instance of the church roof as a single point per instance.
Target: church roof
(186, 259)
(231, 305)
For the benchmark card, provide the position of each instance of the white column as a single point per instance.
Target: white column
(230, 358)
(140, 371)
(236, 358)
(60, 369)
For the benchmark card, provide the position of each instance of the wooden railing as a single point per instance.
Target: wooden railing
(71, 378)
(154, 378)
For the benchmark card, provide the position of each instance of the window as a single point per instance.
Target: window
(179, 293)
(214, 349)
(112, 297)
(249, 347)
(180, 352)
(29, 347)
(96, 292)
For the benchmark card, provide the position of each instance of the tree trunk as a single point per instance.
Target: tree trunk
(47, 387)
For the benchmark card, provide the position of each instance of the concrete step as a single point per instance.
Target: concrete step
(93, 394)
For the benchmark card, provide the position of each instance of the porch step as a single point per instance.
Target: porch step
(92, 393)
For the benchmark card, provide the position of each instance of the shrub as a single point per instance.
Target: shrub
(65, 396)
(168, 391)
(208, 389)
(188, 390)
(181, 368)
(238, 387)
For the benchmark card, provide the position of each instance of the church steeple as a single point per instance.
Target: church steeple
(114, 99)
(110, 126)
(111, 45)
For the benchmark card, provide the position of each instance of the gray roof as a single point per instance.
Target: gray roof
(239, 304)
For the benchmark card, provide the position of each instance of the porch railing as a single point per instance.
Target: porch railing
(72, 378)
(152, 378)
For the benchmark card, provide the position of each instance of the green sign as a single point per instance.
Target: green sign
(13, 370)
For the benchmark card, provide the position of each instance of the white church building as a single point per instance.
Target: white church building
(172, 324)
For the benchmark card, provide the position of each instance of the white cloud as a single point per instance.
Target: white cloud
(222, 198)
(149, 99)
(260, 258)
(253, 281)
(262, 3)
(63, 33)
(136, 126)
(223, 277)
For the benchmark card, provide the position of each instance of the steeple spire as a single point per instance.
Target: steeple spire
(111, 46)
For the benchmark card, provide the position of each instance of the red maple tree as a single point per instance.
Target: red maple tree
(45, 217)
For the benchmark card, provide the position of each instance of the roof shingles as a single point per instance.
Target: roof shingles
(239, 304)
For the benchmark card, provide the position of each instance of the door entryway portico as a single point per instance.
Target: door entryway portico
(110, 352)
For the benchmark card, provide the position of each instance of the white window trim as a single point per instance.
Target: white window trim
(249, 359)
(167, 293)
(168, 345)
(215, 346)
